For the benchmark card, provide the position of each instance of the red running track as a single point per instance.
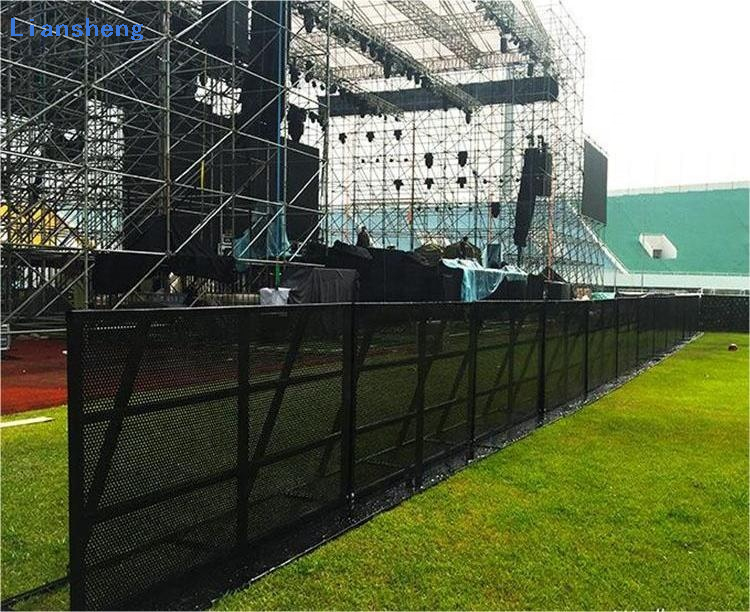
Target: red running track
(33, 375)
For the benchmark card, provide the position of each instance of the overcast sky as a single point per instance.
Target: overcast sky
(668, 88)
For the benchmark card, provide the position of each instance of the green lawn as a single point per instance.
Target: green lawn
(34, 489)
(638, 501)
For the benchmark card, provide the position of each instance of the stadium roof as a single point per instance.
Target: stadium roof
(709, 228)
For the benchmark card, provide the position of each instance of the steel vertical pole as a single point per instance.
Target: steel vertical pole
(349, 405)
(76, 472)
(471, 408)
(421, 376)
(617, 338)
(586, 351)
(542, 383)
(243, 430)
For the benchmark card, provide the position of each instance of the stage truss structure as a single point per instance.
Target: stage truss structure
(98, 136)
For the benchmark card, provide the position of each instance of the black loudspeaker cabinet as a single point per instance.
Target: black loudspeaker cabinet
(302, 188)
(535, 287)
(226, 28)
(509, 290)
(558, 291)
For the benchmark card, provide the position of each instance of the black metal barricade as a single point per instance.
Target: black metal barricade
(196, 433)
(730, 313)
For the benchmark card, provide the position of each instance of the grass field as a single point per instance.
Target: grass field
(34, 489)
(638, 501)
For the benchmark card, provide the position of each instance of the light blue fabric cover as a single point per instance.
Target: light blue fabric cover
(478, 282)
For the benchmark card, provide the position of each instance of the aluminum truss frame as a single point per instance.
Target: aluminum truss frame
(73, 187)
(379, 181)
(98, 136)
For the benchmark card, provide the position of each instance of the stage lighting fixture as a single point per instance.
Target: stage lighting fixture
(342, 138)
(363, 45)
(308, 19)
(428, 159)
(468, 116)
(296, 122)
(429, 182)
(309, 65)
(387, 68)
(334, 88)
(294, 74)
(398, 184)
(397, 134)
(461, 181)
(530, 70)
(463, 157)
(308, 77)
(370, 136)
(503, 44)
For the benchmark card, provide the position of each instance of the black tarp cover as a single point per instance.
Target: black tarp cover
(117, 272)
(399, 276)
(343, 255)
(311, 285)
(387, 275)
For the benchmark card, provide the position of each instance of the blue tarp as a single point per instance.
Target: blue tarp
(477, 282)
(602, 295)
(241, 250)
(272, 245)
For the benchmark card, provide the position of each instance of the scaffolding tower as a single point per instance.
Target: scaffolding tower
(436, 175)
(187, 131)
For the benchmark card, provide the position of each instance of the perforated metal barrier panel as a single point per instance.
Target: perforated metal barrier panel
(725, 313)
(196, 433)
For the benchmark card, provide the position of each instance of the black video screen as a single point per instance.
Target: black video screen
(594, 183)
